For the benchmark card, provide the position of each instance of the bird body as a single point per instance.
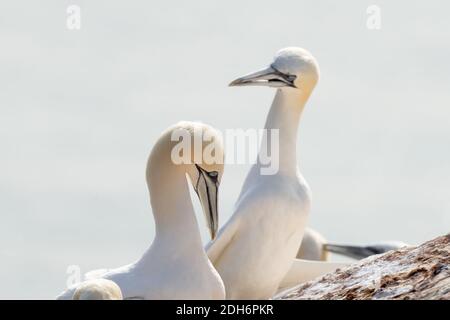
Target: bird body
(253, 263)
(256, 248)
(176, 265)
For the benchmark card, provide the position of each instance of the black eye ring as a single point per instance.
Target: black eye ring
(288, 77)
(213, 174)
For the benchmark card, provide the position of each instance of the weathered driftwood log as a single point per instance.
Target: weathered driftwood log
(421, 272)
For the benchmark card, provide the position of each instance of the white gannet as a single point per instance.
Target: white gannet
(176, 265)
(256, 248)
(315, 247)
(97, 289)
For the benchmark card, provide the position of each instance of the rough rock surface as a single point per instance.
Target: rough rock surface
(421, 272)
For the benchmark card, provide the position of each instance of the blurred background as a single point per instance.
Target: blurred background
(81, 109)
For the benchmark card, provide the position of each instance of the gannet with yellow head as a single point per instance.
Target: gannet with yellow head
(176, 265)
(255, 250)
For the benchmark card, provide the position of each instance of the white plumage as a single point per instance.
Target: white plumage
(97, 289)
(256, 248)
(176, 265)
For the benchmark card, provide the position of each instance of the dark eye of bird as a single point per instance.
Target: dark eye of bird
(213, 174)
(291, 77)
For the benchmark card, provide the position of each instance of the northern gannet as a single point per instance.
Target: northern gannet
(315, 247)
(256, 248)
(176, 265)
(97, 289)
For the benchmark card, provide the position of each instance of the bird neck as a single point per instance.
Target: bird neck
(176, 227)
(284, 115)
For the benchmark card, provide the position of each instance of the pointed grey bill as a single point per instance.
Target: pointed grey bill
(355, 252)
(361, 252)
(207, 191)
(269, 77)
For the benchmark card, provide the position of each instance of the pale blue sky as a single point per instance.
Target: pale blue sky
(80, 110)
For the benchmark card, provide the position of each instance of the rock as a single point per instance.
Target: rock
(421, 272)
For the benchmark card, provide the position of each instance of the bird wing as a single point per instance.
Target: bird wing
(245, 205)
(305, 270)
(216, 247)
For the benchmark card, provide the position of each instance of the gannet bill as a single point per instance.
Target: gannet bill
(255, 249)
(176, 265)
(98, 289)
(361, 252)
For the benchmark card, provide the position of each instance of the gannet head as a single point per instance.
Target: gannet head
(196, 149)
(206, 171)
(292, 68)
(98, 289)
